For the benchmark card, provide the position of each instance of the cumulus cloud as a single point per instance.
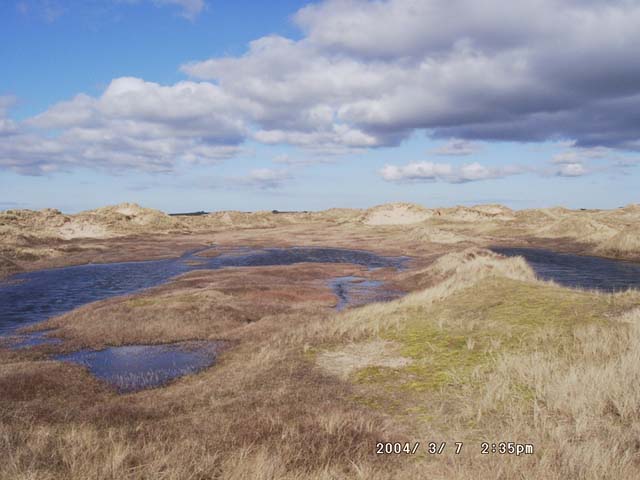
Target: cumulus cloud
(133, 124)
(459, 69)
(367, 74)
(299, 91)
(571, 170)
(445, 172)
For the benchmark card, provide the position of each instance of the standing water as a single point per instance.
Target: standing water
(32, 297)
(577, 270)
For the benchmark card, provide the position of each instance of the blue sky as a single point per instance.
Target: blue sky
(207, 105)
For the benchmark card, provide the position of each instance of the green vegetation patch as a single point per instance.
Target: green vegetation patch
(454, 341)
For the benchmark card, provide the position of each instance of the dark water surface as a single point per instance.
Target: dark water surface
(578, 270)
(35, 296)
(136, 367)
(28, 298)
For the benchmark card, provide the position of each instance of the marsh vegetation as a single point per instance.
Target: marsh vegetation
(480, 349)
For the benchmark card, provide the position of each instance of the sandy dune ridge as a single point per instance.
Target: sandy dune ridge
(29, 237)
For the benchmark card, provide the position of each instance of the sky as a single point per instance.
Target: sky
(187, 105)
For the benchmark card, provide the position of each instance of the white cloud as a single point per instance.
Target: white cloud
(571, 170)
(367, 75)
(457, 147)
(410, 28)
(457, 69)
(445, 172)
(133, 124)
(299, 92)
(326, 141)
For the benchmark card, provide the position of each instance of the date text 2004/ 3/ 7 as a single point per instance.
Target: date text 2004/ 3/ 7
(398, 448)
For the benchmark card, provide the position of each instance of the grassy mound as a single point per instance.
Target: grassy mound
(491, 354)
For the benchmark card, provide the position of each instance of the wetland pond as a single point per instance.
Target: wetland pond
(29, 298)
(579, 271)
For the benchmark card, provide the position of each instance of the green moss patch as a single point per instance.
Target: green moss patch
(454, 341)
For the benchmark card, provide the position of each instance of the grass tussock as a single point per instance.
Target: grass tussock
(625, 244)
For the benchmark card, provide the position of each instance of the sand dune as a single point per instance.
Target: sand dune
(396, 214)
(27, 235)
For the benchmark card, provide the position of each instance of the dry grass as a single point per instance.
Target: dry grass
(625, 244)
(206, 304)
(502, 357)
(480, 351)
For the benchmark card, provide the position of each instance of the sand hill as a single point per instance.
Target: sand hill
(395, 214)
(28, 235)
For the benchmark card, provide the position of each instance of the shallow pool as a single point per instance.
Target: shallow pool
(136, 367)
(32, 297)
(579, 270)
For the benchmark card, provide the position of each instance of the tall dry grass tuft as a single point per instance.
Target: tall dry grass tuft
(624, 244)
(583, 406)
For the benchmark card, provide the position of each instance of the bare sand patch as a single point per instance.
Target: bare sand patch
(356, 356)
(396, 214)
(83, 230)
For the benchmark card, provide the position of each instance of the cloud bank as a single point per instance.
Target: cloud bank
(368, 74)
(134, 124)
(445, 172)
